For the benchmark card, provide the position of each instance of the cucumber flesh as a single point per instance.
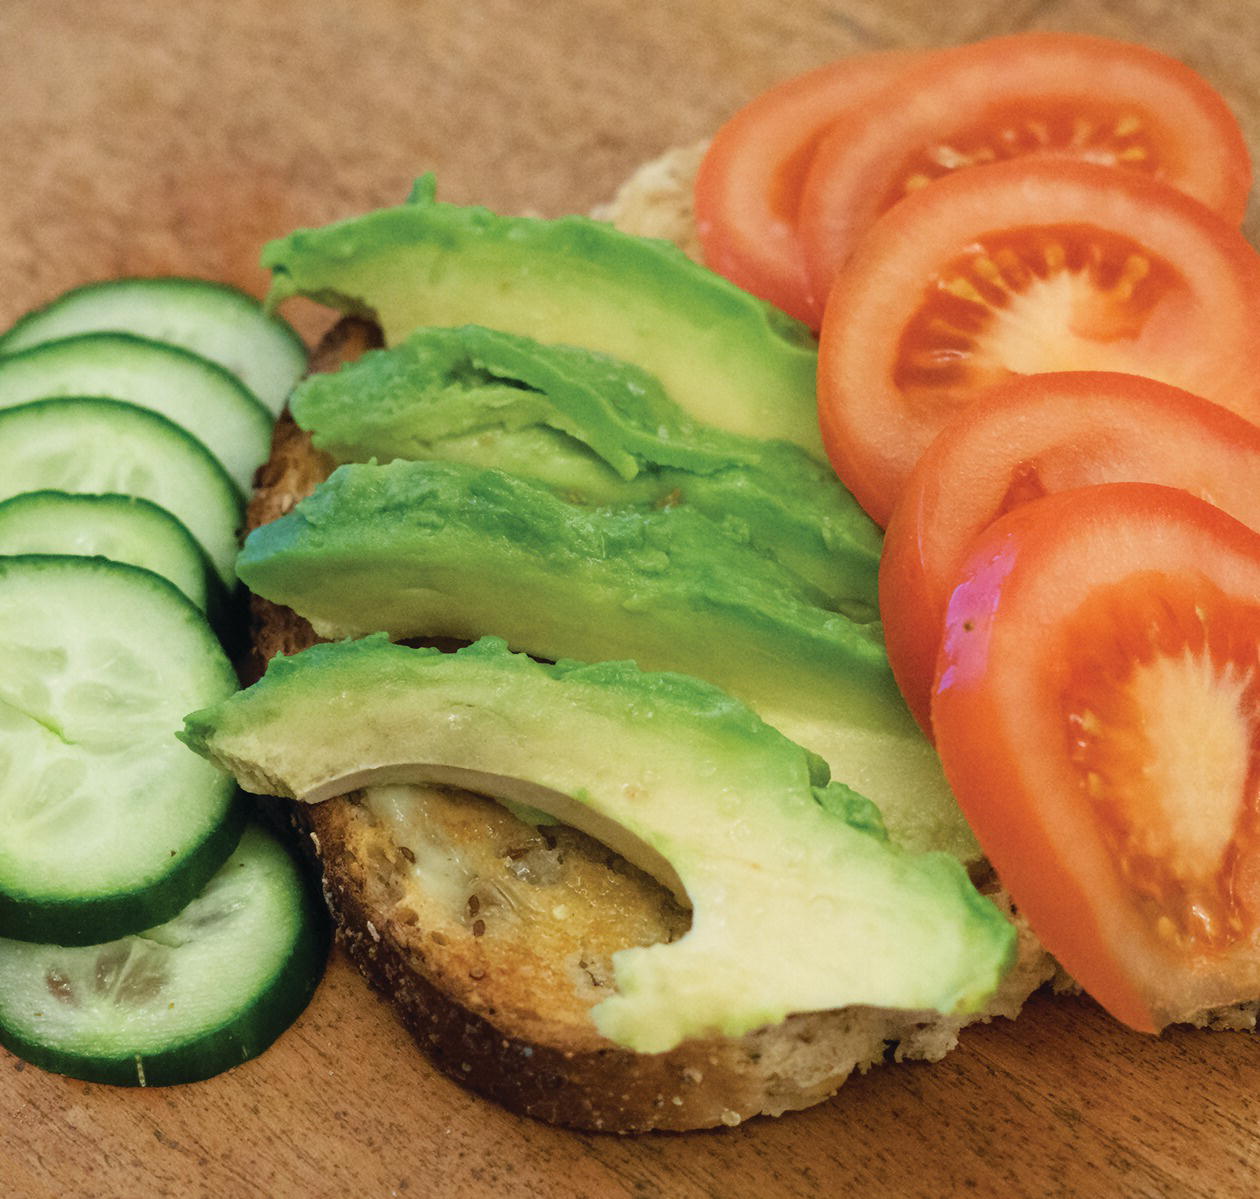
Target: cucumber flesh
(122, 527)
(197, 394)
(211, 319)
(108, 824)
(207, 990)
(96, 446)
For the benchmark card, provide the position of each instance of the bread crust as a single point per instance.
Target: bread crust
(550, 1068)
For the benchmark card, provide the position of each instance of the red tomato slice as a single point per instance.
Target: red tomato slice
(749, 185)
(1033, 437)
(1097, 711)
(1063, 95)
(1017, 269)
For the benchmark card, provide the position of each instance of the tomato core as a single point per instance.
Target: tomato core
(1028, 301)
(1161, 708)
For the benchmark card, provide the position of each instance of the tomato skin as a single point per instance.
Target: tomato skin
(750, 180)
(1195, 328)
(1023, 93)
(1035, 436)
(1013, 639)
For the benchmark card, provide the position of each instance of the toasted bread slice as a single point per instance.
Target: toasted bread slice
(494, 938)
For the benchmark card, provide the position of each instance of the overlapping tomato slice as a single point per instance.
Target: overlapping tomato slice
(748, 189)
(1064, 96)
(1026, 252)
(1097, 711)
(1019, 268)
(1033, 437)
(795, 178)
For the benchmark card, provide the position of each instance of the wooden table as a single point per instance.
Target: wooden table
(177, 138)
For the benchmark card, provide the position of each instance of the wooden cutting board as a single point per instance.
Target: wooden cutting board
(148, 138)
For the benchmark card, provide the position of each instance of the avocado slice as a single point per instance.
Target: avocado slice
(440, 549)
(596, 431)
(799, 901)
(727, 358)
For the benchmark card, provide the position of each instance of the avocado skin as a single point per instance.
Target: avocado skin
(425, 549)
(800, 902)
(725, 357)
(598, 432)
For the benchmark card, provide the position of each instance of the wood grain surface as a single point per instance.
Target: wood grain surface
(167, 137)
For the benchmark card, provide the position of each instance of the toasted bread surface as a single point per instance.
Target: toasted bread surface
(656, 200)
(493, 938)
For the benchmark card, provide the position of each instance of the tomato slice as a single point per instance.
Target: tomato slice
(1063, 95)
(1021, 268)
(1033, 437)
(749, 185)
(1097, 711)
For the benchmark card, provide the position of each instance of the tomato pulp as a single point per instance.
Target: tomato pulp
(1097, 711)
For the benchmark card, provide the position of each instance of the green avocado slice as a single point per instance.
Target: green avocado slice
(799, 901)
(728, 359)
(439, 383)
(599, 432)
(438, 549)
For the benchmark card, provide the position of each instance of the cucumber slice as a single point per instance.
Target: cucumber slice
(205, 991)
(211, 319)
(108, 824)
(195, 393)
(105, 446)
(122, 527)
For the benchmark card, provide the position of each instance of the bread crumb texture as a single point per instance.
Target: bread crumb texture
(495, 939)
(656, 200)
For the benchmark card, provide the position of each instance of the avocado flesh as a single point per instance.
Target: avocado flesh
(799, 901)
(729, 359)
(434, 549)
(598, 432)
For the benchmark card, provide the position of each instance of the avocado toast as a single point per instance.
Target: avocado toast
(494, 935)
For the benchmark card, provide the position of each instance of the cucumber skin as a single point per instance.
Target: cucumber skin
(106, 918)
(237, 1041)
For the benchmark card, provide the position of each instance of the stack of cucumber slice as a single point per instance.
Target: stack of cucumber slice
(123, 528)
(150, 933)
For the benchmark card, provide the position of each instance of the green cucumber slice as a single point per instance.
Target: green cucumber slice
(207, 990)
(211, 319)
(108, 824)
(195, 393)
(122, 527)
(99, 446)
